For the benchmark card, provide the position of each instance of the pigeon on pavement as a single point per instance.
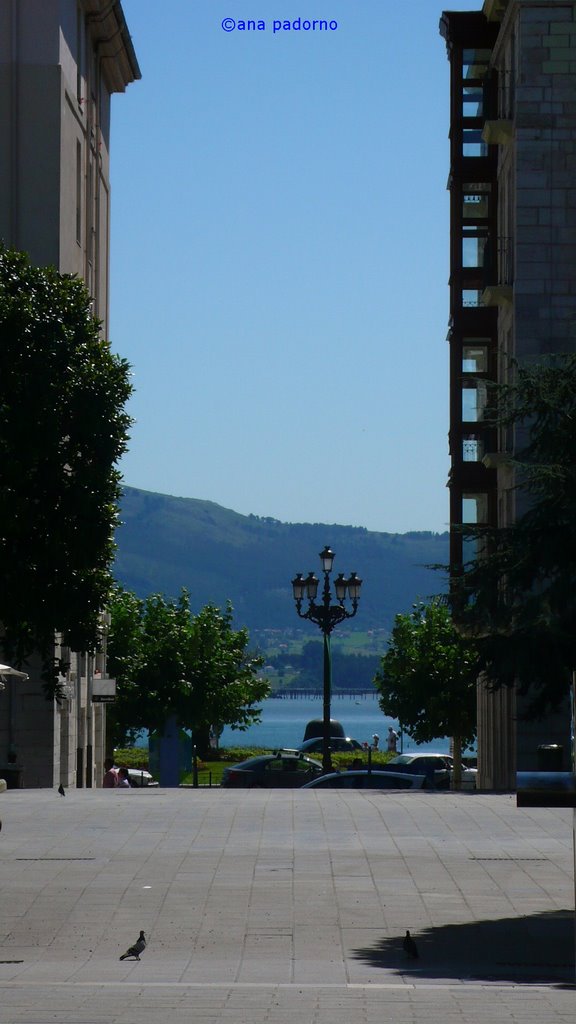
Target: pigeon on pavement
(409, 946)
(135, 950)
(61, 790)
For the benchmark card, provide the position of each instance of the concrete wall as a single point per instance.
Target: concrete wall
(57, 73)
(545, 157)
(49, 106)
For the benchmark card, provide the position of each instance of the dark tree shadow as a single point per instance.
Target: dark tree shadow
(535, 949)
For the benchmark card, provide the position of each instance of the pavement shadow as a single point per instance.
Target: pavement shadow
(538, 948)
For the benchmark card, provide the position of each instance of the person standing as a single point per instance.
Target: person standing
(392, 740)
(110, 780)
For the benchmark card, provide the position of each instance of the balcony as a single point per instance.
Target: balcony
(498, 127)
(498, 295)
(499, 132)
(494, 10)
(497, 460)
(498, 289)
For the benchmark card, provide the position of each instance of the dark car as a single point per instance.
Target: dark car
(438, 769)
(337, 743)
(281, 770)
(364, 779)
(315, 729)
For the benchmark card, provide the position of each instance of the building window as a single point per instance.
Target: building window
(475, 201)
(475, 355)
(472, 101)
(475, 63)
(474, 398)
(80, 54)
(474, 509)
(472, 448)
(79, 192)
(472, 143)
(471, 297)
(473, 246)
(474, 513)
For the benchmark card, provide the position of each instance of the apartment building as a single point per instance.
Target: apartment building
(512, 279)
(60, 63)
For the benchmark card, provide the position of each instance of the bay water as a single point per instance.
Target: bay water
(283, 721)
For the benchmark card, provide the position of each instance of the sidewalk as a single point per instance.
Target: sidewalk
(286, 906)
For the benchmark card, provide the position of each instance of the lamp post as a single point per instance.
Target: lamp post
(326, 615)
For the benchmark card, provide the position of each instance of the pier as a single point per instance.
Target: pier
(296, 694)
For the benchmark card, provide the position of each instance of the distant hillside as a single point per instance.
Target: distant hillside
(167, 543)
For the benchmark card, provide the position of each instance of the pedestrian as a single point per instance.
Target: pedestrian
(392, 740)
(123, 778)
(356, 765)
(110, 780)
(375, 741)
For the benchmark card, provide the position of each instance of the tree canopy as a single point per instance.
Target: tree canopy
(428, 676)
(518, 597)
(63, 427)
(168, 662)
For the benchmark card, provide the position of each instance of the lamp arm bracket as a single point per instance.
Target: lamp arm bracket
(326, 617)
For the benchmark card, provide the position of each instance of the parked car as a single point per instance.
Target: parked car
(140, 777)
(438, 768)
(284, 769)
(337, 743)
(364, 779)
(315, 729)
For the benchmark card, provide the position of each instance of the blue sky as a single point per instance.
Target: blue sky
(280, 258)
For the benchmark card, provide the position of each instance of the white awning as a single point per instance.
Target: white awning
(7, 670)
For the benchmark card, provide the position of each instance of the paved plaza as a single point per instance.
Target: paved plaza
(284, 907)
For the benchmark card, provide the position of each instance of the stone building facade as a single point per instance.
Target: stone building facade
(60, 63)
(512, 278)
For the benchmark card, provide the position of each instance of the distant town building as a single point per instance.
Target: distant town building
(512, 277)
(60, 63)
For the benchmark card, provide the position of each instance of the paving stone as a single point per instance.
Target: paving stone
(285, 906)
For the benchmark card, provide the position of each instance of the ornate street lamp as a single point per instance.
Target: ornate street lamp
(326, 615)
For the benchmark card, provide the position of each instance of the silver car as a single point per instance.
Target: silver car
(364, 779)
(140, 777)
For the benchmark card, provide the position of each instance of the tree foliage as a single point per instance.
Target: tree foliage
(62, 429)
(518, 597)
(168, 662)
(428, 676)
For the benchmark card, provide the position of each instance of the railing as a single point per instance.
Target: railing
(505, 260)
(506, 95)
(503, 270)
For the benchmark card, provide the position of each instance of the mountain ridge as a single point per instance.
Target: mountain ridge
(167, 542)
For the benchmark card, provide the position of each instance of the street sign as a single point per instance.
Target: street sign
(103, 690)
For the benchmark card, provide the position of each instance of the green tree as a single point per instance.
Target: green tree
(517, 599)
(168, 662)
(428, 678)
(62, 429)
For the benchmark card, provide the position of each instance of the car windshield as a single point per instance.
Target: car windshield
(251, 762)
(402, 759)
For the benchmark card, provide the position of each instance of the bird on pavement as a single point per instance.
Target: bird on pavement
(135, 950)
(61, 790)
(409, 946)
